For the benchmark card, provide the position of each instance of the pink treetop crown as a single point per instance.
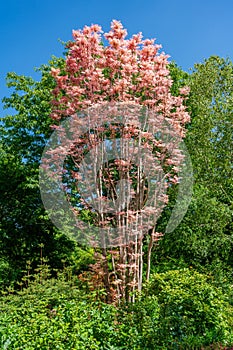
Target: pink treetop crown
(126, 70)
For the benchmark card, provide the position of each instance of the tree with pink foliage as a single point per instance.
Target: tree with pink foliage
(120, 92)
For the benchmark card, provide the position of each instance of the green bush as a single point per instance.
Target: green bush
(53, 314)
(178, 309)
(193, 312)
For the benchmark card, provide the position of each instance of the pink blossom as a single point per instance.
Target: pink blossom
(184, 90)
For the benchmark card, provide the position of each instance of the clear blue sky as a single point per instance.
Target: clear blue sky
(188, 30)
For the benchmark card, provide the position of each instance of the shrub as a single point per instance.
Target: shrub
(178, 309)
(193, 312)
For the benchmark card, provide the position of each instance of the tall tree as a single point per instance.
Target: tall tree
(205, 234)
(94, 82)
(23, 221)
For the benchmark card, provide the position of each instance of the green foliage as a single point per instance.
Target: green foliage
(24, 224)
(51, 315)
(5, 272)
(211, 102)
(193, 313)
(179, 309)
(179, 78)
(205, 234)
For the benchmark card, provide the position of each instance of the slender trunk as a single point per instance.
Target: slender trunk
(140, 266)
(106, 275)
(149, 258)
(116, 279)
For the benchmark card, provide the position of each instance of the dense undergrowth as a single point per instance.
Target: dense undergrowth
(179, 308)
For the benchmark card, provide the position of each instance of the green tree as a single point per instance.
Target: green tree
(205, 234)
(23, 134)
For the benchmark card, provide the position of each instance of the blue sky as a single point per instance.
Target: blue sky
(189, 31)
